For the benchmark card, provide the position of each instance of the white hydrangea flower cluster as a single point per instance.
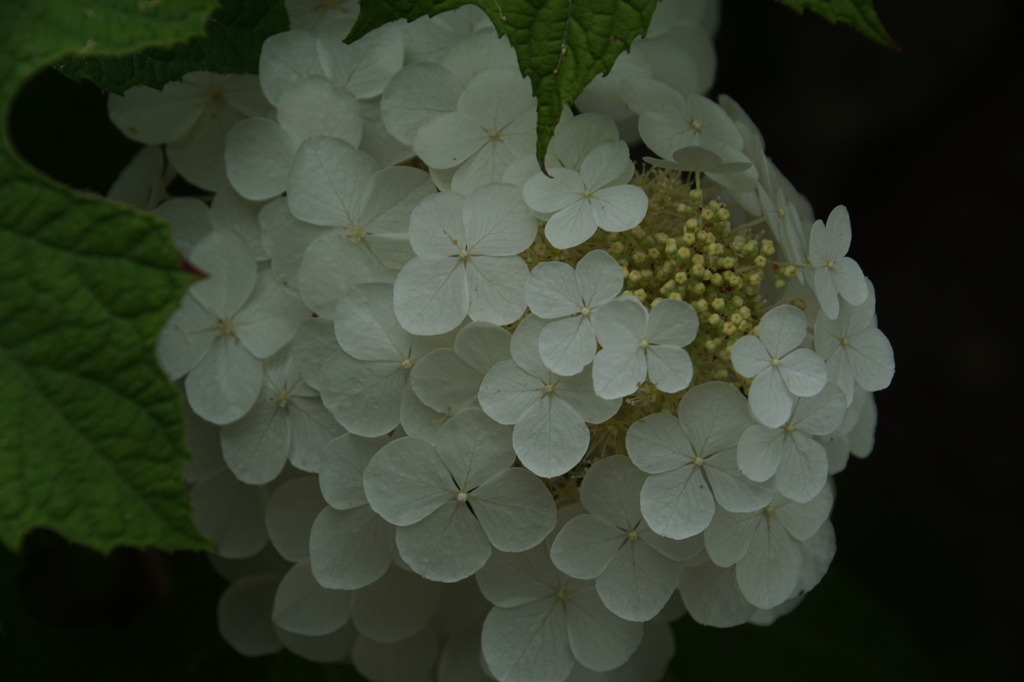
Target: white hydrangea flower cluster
(457, 419)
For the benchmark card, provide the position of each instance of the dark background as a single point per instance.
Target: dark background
(924, 147)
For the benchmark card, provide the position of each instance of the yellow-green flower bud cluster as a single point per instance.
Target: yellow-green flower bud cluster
(686, 248)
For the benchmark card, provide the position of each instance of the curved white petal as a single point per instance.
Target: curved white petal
(304, 607)
(349, 549)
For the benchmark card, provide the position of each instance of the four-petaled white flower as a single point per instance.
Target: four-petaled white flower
(557, 290)
(855, 350)
(466, 260)
(226, 324)
(287, 423)
(550, 412)
(692, 461)
(543, 621)
(579, 202)
(765, 545)
(364, 383)
(835, 273)
(637, 345)
(192, 116)
(493, 125)
(447, 380)
(781, 369)
(790, 453)
(636, 569)
(452, 503)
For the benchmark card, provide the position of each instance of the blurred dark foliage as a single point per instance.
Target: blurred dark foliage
(921, 146)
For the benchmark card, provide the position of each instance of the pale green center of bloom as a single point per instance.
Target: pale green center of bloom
(644, 343)
(226, 327)
(564, 594)
(698, 461)
(283, 398)
(775, 362)
(494, 135)
(356, 233)
(587, 194)
(407, 363)
(632, 535)
(462, 496)
(548, 389)
(790, 428)
(769, 511)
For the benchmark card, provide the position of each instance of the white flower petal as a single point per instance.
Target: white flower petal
(599, 639)
(749, 357)
(313, 106)
(496, 288)
(406, 481)
(528, 643)
(568, 345)
(447, 140)
(349, 549)
(550, 437)
(770, 401)
(729, 535)
(225, 383)
(783, 329)
(363, 67)
(552, 290)
(431, 295)
(803, 520)
(416, 94)
(341, 469)
(512, 579)
(365, 397)
(611, 491)
(871, 359)
(482, 345)
(619, 208)
(497, 221)
(549, 194)
(256, 446)
(473, 448)
(515, 510)
(677, 504)
(585, 546)
(804, 372)
(314, 342)
(270, 317)
(760, 450)
(285, 58)
(713, 416)
(768, 573)
(621, 322)
(331, 265)
(243, 615)
(507, 392)
(231, 514)
(303, 607)
(638, 582)
(185, 338)
(291, 511)
(669, 367)
(365, 324)
(446, 546)
(396, 607)
(226, 258)
(411, 660)
(713, 596)
(571, 226)
(334, 647)
(803, 471)
(619, 370)
(657, 444)
(733, 490)
(327, 180)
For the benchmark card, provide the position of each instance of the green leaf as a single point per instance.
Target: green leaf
(857, 13)
(90, 429)
(234, 36)
(561, 44)
(838, 633)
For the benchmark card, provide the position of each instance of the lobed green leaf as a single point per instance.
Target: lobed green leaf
(91, 440)
(234, 35)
